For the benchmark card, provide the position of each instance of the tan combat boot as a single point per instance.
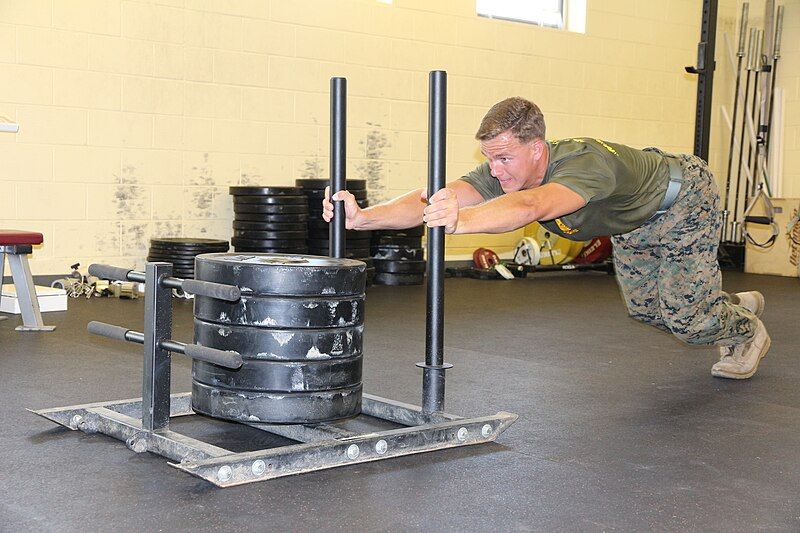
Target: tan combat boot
(753, 301)
(741, 361)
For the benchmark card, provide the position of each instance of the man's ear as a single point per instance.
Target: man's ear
(538, 148)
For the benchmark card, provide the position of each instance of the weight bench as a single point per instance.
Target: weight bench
(17, 245)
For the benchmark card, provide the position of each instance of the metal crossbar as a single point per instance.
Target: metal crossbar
(321, 446)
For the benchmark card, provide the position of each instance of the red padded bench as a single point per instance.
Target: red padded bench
(17, 245)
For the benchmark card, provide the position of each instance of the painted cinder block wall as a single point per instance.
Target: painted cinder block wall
(137, 115)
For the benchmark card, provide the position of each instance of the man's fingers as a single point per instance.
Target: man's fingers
(344, 196)
(440, 206)
(443, 194)
(438, 215)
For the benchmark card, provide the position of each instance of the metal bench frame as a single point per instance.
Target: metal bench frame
(23, 282)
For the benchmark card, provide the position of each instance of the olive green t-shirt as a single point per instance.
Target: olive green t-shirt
(622, 186)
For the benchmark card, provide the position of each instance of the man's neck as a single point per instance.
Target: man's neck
(540, 170)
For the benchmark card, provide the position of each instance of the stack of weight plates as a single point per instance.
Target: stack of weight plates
(269, 219)
(357, 243)
(398, 256)
(299, 327)
(181, 251)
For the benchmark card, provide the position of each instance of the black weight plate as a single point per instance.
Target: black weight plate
(282, 345)
(400, 267)
(189, 249)
(320, 240)
(318, 194)
(179, 262)
(349, 235)
(185, 254)
(177, 254)
(270, 200)
(270, 209)
(267, 218)
(414, 242)
(280, 235)
(283, 376)
(319, 225)
(178, 267)
(355, 253)
(357, 240)
(264, 191)
(186, 241)
(283, 275)
(166, 256)
(276, 408)
(268, 243)
(309, 183)
(316, 208)
(386, 278)
(270, 226)
(398, 253)
(416, 231)
(292, 250)
(307, 312)
(176, 264)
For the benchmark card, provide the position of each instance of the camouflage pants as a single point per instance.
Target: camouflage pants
(668, 272)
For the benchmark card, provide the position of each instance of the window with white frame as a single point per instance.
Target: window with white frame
(564, 14)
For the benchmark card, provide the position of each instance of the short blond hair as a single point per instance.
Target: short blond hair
(521, 116)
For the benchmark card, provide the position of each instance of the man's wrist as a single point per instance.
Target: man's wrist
(461, 222)
(360, 221)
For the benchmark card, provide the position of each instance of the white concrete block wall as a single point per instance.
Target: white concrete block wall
(137, 115)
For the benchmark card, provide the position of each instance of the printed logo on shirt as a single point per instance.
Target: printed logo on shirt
(563, 227)
(555, 143)
(607, 147)
(598, 141)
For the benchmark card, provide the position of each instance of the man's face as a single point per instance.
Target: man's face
(511, 162)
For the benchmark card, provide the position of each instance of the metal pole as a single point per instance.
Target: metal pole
(705, 79)
(737, 221)
(336, 233)
(157, 327)
(434, 366)
(766, 67)
(776, 54)
(739, 55)
(752, 153)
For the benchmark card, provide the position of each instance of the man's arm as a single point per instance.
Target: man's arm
(505, 213)
(402, 212)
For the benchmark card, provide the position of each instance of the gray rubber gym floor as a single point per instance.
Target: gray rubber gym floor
(621, 427)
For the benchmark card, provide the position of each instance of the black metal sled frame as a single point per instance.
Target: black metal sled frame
(143, 423)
